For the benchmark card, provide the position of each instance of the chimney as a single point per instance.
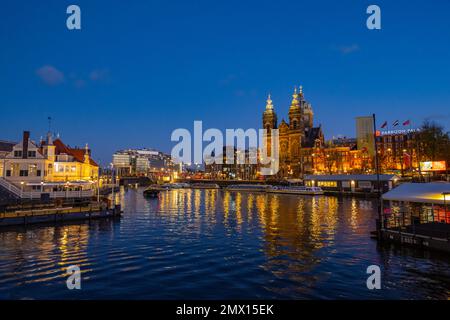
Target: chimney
(26, 137)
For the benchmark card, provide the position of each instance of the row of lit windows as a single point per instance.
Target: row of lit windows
(330, 184)
(62, 168)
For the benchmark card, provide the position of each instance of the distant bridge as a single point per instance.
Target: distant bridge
(142, 181)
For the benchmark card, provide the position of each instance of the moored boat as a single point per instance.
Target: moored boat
(204, 186)
(175, 185)
(296, 190)
(248, 187)
(153, 191)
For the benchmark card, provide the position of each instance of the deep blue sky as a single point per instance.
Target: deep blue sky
(139, 69)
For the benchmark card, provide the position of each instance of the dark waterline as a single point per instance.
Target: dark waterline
(209, 244)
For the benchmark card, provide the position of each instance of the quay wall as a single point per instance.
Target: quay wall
(414, 240)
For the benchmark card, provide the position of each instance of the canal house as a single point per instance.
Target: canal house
(31, 169)
(352, 183)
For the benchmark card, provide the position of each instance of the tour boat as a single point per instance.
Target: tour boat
(204, 186)
(153, 191)
(296, 190)
(248, 187)
(175, 185)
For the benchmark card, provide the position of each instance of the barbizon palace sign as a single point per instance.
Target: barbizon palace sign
(399, 131)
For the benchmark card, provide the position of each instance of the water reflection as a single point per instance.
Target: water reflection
(219, 244)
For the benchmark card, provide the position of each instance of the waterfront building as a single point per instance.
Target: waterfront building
(417, 214)
(24, 163)
(352, 182)
(297, 133)
(334, 160)
(64, 163)
(5, 148)
(142, 162)
(397, 150)
(231, 169)
(46, 165)
(302, 146)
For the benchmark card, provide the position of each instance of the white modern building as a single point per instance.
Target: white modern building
(140, 162)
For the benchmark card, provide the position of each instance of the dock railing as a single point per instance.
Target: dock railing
(33, 195)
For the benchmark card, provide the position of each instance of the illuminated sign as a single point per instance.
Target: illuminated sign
(393, 132)
(433, 166)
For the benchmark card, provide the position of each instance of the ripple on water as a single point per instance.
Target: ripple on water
(209, 244)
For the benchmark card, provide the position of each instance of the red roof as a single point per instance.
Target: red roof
(78, 154)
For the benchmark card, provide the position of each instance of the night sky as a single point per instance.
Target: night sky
(140, 69)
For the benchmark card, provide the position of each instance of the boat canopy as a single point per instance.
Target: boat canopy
(349, 177)
(56, 184)
(433, 192)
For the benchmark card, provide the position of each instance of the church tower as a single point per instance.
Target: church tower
(296, 133)
(306, 110)
(270, 120)
(295, 113)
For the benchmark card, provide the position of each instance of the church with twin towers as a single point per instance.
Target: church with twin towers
(294, 135)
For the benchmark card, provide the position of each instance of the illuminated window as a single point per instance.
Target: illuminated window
(329, 184)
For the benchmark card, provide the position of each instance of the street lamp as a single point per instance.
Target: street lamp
(113, 185)
(66, 188)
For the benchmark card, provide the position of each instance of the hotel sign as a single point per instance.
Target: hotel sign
(393, 132)
(433, 166)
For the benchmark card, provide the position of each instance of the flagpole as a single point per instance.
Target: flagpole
(379, 224)
(410, 149)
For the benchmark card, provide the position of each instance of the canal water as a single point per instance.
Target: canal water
(212, 244)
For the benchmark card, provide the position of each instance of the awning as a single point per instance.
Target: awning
(350, 177)
(432, 192)
(59, 184)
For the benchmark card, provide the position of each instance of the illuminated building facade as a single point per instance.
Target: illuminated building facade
(294, 135)
(233, 169)
(302, 147)
(397, 150)
(142, 162)
(30, 164)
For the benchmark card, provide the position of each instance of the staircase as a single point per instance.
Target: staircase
(8, 191)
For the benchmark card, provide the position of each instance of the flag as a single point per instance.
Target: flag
(384, 125)
(406, 123)
(395, 123)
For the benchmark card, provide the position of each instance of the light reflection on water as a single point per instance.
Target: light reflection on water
(200, 244)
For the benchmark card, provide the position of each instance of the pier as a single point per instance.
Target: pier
(26, 214)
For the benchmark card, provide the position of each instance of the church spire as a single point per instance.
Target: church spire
(300, 93)
(295, 102)
(269, 105)
(269, 116)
